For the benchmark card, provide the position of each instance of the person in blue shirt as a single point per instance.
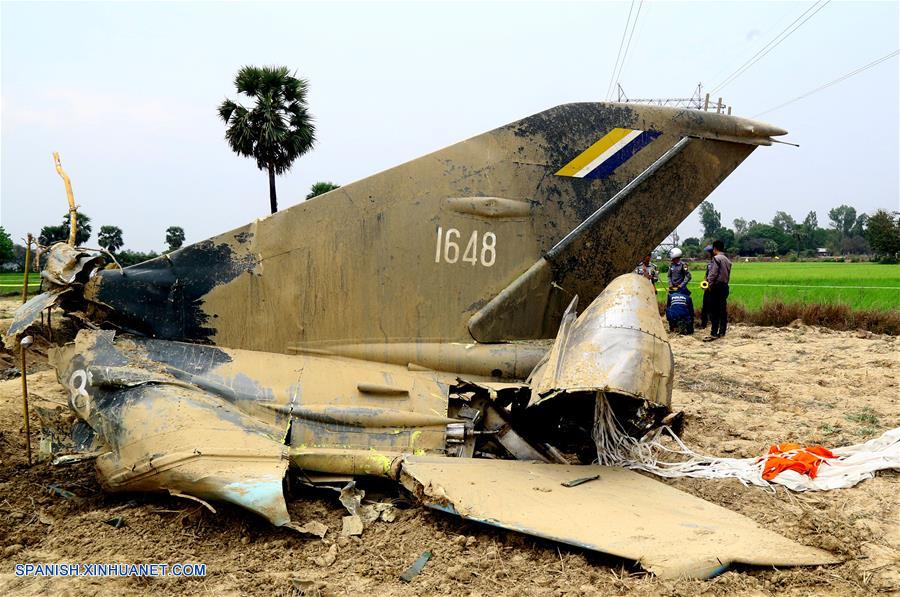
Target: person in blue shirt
(679, 276)
(679, 305)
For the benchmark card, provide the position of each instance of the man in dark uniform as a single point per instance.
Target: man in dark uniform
(718, 277)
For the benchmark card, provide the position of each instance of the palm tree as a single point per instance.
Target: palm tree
(110, 238)
(174, 237)
(320, 188)
(277, 129)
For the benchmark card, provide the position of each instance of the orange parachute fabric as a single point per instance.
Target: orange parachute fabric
(794, 457)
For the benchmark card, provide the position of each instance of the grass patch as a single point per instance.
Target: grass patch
(866, 416)
(830, 429)
(835, 316)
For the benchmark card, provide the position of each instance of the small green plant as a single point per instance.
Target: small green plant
(829, 429)
(866, 431)
(866, 416)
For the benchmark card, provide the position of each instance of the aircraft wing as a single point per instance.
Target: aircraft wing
(669, 532)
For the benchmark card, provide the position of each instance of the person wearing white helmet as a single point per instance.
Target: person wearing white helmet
(679, 276)
(679, 306)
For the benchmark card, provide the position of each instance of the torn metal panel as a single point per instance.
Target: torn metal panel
(617, 345)
(66, 265)
(31, 312)
(669, 532)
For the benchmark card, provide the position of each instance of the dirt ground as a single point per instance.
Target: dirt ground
(758, 386)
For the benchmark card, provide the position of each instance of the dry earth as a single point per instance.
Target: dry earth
(759, 386)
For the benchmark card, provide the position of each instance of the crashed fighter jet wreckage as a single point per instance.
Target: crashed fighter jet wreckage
(421, 325)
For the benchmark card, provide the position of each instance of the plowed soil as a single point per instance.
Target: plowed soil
(756, 387)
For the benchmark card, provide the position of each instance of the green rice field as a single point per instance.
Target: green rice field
(11, 284)
(858, 285)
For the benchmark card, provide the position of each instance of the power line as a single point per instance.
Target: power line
(612, 77)
(628, 45)
(835, 82)
(773, 43)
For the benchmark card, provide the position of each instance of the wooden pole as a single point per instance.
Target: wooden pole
(26, 341)
(27, 268)
(706, 103)
(73, 218)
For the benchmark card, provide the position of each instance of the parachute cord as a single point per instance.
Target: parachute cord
(650, 454)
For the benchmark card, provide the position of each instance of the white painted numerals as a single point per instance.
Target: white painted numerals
(451, 248)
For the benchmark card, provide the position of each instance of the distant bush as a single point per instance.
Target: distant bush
(126, 258)
(836, 316)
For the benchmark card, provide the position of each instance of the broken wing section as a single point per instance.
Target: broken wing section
(164, 435)
(669, 532)
(618, 345)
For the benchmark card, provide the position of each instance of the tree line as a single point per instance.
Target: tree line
(848, 233)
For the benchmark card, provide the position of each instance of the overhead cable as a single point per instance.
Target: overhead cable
(835, 82)
(628, 44)
(612, 77)
(773, 43)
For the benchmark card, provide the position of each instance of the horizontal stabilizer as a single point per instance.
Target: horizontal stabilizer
(669, 532)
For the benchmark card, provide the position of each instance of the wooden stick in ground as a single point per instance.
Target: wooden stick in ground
(26, 342)
(27, 268)
(70, 196)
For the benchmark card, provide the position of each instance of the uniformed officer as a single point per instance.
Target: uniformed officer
(718, 277)
(648, 270)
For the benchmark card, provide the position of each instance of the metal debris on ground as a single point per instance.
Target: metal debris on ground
(53, 489)
(351, 498)
(386, 512)
(416, 567)
(351, 526)
(577, 482)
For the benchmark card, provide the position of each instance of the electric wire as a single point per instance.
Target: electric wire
(773, 43)
(628, 44)
(612, 77)
(834, 82)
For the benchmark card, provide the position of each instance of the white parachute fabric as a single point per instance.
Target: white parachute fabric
(853, 464)
(655, 455)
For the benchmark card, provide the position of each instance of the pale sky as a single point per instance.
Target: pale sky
(127, 93)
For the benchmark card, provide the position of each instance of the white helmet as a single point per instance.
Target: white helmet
(675, 253)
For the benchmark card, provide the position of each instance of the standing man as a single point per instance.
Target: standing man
(718, 278)
(679, 276)
(648, 270)
(679, 306)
